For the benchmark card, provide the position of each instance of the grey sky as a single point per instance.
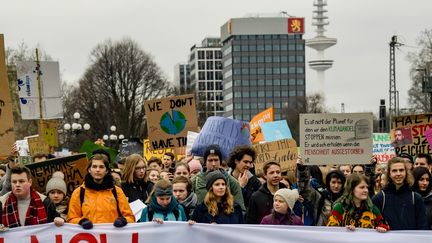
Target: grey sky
(69, 30)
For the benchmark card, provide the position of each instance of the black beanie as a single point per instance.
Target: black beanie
(104, 152)
(212, 149)
(212, 176)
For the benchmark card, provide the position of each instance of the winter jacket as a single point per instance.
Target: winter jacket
(428, 204)
(201, 215)
(403, 209)
(166, 214)
(199, 187)
(138, 190)
(99, 204)
(252, 186)
(48, 204)
(276, 218)
(260, 204)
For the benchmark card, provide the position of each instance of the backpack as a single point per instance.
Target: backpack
(151, 213)
(114, 192)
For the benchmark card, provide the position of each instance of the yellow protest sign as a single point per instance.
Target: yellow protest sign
(48, 131)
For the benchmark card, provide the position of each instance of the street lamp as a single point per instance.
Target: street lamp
(111, 136)
(76, 127)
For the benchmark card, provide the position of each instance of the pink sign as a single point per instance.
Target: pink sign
(428, 135)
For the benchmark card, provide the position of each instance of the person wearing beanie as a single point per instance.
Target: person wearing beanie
(162, 205)
(213, 158)
(282, 213)
(88, 202)
(56, 191)
(409, 160)
(195, 167)
(335, 181)
(218, 206)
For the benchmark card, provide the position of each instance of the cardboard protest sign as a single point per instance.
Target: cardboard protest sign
(340, 138)
(283, 151)
(169, 120)
(276, 130)
(225, 132)
(130, 146)
(37, 145)
(73, 167)
(159, 153)
(7, 135)
(382, 147)
(48, 131)
(191, 136)
(28, 90)
(88, 147)
(255, 129)
(408, 134)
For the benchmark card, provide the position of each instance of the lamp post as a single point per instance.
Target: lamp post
(111, 136)
(76, 128)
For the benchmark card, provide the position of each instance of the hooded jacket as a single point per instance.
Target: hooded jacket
(260, 204)
(276, 218)
(99, 205)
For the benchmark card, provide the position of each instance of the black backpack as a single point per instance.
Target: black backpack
(114, 192)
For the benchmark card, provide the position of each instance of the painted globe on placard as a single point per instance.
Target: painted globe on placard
(173, 123)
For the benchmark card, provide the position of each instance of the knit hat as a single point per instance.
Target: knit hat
(212, 149)
(56, 183)
(159, 192)
(406, 156)
(290, 196)
(104, 152)
(212, 176)
(195, 165)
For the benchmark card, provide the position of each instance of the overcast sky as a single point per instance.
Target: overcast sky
(69, 30)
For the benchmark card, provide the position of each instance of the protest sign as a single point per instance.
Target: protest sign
(428, 135)
(191, 136)
(408, 134)
(48, 132)
(225, 132)
(28, 90)
(130, 146)
(37, 145)
(382, 148)
(88, 147)
(260, 118)
(169, 120)
(276, 130)
(7, 135)
(73, 167)
(159, 153)
(22, 147)
(340, 138)
(283, 151)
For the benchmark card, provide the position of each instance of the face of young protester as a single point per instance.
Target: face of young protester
(358, 170)
(154, 176)
(335, 185)
(56, 196)
(20, 185)
(98, 170)
(361, 191)
(213, 162)
(398, 173)
(140, 170)
(273, 175)
(244, 164)
(421, 162)
(279, 205)
(167, 161)
(423, 182)
(164, 201)
(181, 171)
(180, 191)
(219, 188)
(345, 169)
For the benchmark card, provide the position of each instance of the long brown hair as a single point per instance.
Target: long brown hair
(129, 169)
(210, 201)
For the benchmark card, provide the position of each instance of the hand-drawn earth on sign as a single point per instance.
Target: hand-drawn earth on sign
(173, 124)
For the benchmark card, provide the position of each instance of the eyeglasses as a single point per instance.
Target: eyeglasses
(140, 168)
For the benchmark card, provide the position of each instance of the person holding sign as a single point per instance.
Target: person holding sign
(355, 209)
(135, 185)
(98, 200)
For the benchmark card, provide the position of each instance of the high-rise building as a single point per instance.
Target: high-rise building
(182, 77)
(263, 66)
(206, 77)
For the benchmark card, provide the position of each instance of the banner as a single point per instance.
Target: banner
(283, 151)
(28, 91)
(73, 167)
(225, 132)
(382, 147)
(339, 138)
(7, 135)
(169, 119)
(130, 146)
(276, 130)
(408, 134)
(48, 131)
(170, 232)
(260, 118)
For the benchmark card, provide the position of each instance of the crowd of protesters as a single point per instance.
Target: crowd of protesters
(216, 190)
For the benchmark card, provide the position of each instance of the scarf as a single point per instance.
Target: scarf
(190, 201)
(36, 213)
(107, 182)
(158, 208)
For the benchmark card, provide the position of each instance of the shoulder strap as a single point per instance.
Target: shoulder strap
(413, 201)
(82, 194)
(114, 192)
(150, 213)
(383, 204)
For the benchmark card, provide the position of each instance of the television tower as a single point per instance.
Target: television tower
(320, 42)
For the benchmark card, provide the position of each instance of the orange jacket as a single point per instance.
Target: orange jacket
(99, 206)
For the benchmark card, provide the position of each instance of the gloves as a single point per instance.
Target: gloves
(85, 223)
(120, 222)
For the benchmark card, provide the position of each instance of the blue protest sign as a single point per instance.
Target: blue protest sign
(276, 130)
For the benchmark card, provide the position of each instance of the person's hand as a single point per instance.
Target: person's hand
(374, 159)
(120, 222)
(300, 199)
(3, 228)
(243, 179)
(59, 221)
(381, 229)
(158, 221)
(13, 162)
(191, 222)
(299, 160)
(85, 223)
(350, 227)
(14, 150)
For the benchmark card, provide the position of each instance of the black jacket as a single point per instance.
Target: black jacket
(252, 186)
(201, 215)
(260, 204)
(139, 190)
(403, 209)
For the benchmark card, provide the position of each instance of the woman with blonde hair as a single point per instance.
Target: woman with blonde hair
(134, 183)
(218, 206)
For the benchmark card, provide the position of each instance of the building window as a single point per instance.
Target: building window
(201, 75)
(201, 54)
(261, 106)
(269, 71)
(300, 81)
(276, 59)
(236, 59)
(237, 94)
(218, 55)
(245, 71)
(284, 59)
(252, 47)
(299, 47)
(300, 93)
(219, 86)
(252, 71)
(252, 59)
(245, 94)
(269, 82)
(300, 70)
(245, 59)
(253, 105)
(253, 83)
(269, 93)
(261, 94)
(218, 75)
(210, 96)
(261, 82)
(210, 76)
(253, 94)
(276, 70)
(260, 47)
(201, 65)
(268, 47)
(237, 71)
(284, 93)
(276, 47)
(268, 59)
(237, 106)
(292, 93)
(300, 58)
(292, 81)
(292, 70)
(284, 82)
(209, 64)
(277, 93)
(236, 48)
(291, 59)
(246, 105)
(244, 48)
(210, 86)
(260, 59)
(278, 116)
(237, 82)
(201, 85)
(284, 70)
(276, 82)
(219, 96)
(228, 96)
(277, 105)
(283, 47)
